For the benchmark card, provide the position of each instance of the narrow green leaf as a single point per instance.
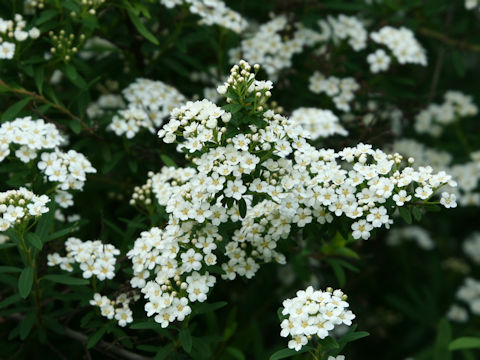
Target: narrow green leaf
(35, 240)
(242, 206)
(75, 126)
(9, 269)
(417, 213)
(464, 343)
(185, 339)
(163, 353)
(39, 78)
(45, 223)
(65, 279)
(204, 307)
(285, 353)
(442, 341)
(13, 110)
(25, 282)
(167, 160)
(12, 299)
(405, 214)
(235, 353)
(142, 29)
(27, 324)
(62, 232)
(95, 337)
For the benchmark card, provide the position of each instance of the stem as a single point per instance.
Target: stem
(44, 100)
(448, 40)
(31, 262)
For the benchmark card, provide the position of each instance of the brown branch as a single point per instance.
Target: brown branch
(448, 40)
(44, 100)
(109, 349)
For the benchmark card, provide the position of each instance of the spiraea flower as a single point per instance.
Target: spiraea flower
(148, 103)
(13, 32)
(20, 206)
(118, 309)
(402, 43)
(341, 91)
(93, 257)
(255, 170)
(314, 313)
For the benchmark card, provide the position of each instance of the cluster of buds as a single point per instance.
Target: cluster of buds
(64, 45)
(142, 195)
(242, 81)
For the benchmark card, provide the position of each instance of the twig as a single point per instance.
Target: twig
(448, 40)
(44, 100)
(112, 350)
(104, 346)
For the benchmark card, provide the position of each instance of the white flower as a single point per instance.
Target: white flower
(7, 50)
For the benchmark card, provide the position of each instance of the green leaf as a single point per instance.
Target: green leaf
(46, 221)
(9, 269)
(338, 270)
(168, 161)
(242, 206)
(35, 240)
(12, 299)
(13, 110)
(204, 307)
(285, 353)
(458, 64)
(95, 337)
(417, 213)
(442, 341)
(232, 108)
(62, 232)
(25, 282)
(163, 353)
(235, 353)
(75, 126)
(405, 214)
(45, 16)
(142, 29)
(185, 340)
(39, 78)
(27, 324)
(65, 279)
(464, 343)
(329, 343)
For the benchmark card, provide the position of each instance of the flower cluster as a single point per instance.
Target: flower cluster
(318, 122)
(402, 43)
(148, 103)
(340, 90)
(174, 261)
(254, 169)
(68, 169)
(27, 137)
(118, 309)
(94, 258)
(212, 12)
(471, 247)
(36, 140)
(314, 313)
(347, 28)
(471, 4)
(435, 117)
(466, 175)
(415, 233)
(20, 206)
(469, 293)
(271, 48)
(12, 31)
